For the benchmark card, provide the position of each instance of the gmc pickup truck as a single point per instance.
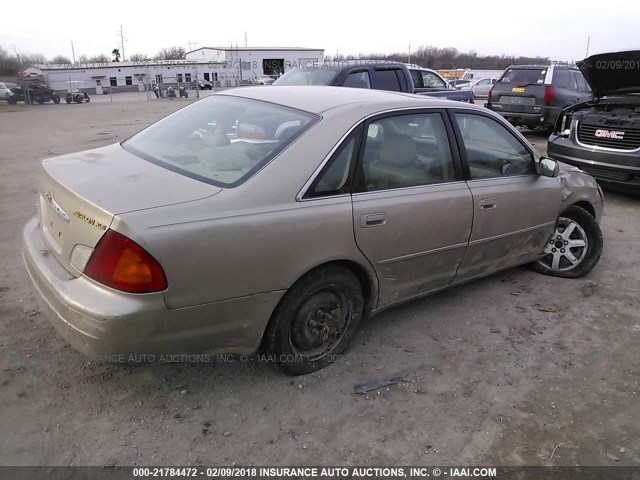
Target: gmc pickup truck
(379, 75)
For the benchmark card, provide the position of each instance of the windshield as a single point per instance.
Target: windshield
(524, 76)
(311, 76)
(221, 140)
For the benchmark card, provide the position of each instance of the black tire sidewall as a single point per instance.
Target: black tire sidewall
(594, 249)
(277, 334)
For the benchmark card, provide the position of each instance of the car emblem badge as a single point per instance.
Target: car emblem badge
(609, 134)
(55, 207)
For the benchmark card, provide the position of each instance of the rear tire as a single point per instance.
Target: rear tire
(315, 320)
(575, 246)
(56, 98)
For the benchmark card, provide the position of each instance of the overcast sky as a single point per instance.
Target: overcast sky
(550, 28)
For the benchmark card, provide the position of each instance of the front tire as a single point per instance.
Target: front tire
(575, 246)
(315, 320)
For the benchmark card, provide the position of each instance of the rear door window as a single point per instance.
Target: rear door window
(581, 84)
(561, 79)
(358, 80)
(406, 151)
(390, 79)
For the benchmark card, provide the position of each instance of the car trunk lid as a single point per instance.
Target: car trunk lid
(612, 73)
(79, 195)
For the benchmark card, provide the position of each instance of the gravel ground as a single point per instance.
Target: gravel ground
(514, 369)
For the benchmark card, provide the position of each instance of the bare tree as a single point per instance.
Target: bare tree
(171, 53)
(447, 58)
(28, 60)
(100, 58)
(83, 58)
(138, 57)
(61, 59)
(9, 65)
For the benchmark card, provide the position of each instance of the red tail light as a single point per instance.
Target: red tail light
(119, 262)
(490, 92)
(548, 94)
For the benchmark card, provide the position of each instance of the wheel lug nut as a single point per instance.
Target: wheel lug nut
(562, 250)
(559, 237)
(566, 243)
(554, 250)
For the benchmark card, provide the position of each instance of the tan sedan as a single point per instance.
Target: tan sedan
(278, 218)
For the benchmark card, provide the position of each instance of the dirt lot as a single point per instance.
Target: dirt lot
(516, 369)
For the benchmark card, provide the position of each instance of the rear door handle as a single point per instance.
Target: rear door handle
(487, 204)
(372, 220)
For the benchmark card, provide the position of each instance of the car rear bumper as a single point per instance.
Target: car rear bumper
(114, 326)
(546, 117)
(615, 169)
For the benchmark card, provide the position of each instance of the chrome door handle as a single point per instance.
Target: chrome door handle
(487, 204)
(372, 220)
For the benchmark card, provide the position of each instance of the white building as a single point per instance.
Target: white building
(224, 67)
(251, 61)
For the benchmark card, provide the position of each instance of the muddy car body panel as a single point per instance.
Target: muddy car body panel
(237, 200)
(602, 136)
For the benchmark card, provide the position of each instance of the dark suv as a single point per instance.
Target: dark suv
(534, 96)
(602, 136)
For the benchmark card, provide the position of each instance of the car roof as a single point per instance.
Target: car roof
(319, 99)
(544, 66)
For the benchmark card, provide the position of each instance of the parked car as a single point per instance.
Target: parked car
(461, 84)
(76, 96)
(378, 75)
(533, 96)
(481, 87)
(202, 85)
(279, 218)
(262, 80)
(602, 136)
(5, 89)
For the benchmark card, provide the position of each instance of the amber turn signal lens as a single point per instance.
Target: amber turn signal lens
(120, 263)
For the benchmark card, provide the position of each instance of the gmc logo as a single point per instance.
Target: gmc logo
(609, 134)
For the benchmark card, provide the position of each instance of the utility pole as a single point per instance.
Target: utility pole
(588, 41)
(409, 58)
(192, 45)
(73, 53)
(245, 39)
(122, 43)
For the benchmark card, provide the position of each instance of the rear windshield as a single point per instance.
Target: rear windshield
(524, 76)
(221, 140)
(311, 76)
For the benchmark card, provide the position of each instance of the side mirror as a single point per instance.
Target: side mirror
(548, 167)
